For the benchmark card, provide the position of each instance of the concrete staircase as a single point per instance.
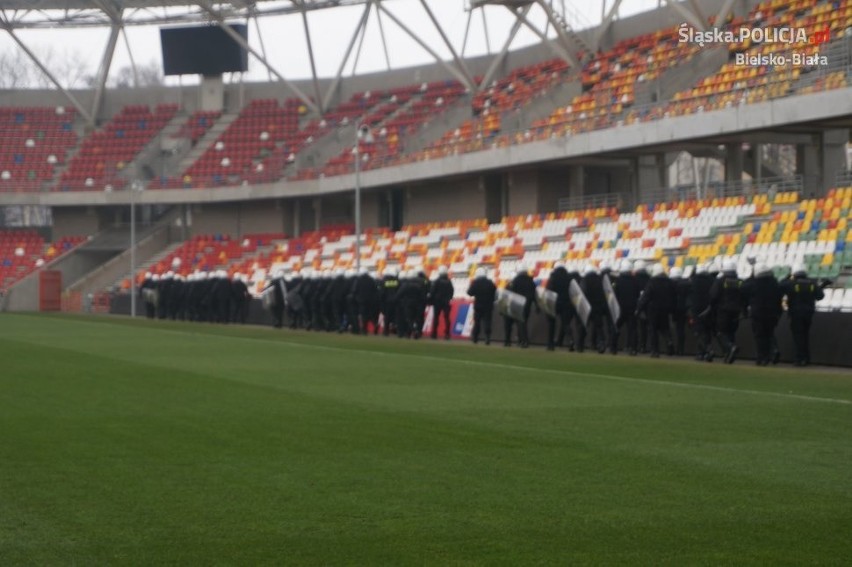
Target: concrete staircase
(680, 77)
(148, 162)
(541, 106)
(183, 159)
(452, 116)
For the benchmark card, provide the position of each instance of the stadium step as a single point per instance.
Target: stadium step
(190, 157)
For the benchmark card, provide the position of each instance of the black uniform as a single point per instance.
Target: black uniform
(642, 278)
(240, 300)
(658, 302)
(278, 290)
(700, 315)
(164, 288)
(440, 296)
(150, 307)
(336, 303)
(802, 294)
(726, 299)
(412, 302)
(559, 282)
(763, 295)
(592, 287)
(483, 291)
(624, 286)
(524, 285)
(387, 301)
(680, 313)
(367, 298)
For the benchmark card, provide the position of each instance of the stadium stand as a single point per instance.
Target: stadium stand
(33, 143)
(408, 110)
(198, 123)
(780, 231)
(206, 253)
(98, 164)
(506, 95)
(24, 251)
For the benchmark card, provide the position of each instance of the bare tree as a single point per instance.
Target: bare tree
(148, 75)
(17, 71)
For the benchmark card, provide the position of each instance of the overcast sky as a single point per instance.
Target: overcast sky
(331, 30)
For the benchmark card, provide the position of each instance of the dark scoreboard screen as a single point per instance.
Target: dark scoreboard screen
(203, 50)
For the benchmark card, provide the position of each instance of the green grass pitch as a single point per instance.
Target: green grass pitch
(151, 443)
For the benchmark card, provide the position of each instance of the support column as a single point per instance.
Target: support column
(577, 181)
(734, 162)
(807, 165)
(317, 206)
(297, 210)
(833, 158)
(650, 175)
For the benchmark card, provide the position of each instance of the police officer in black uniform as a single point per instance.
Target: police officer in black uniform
(681, 308)
(641, 276)
(763, 296)
(524, 285)
(559, 282)
(624, 286)
(657, 302)
(726, 300)
(440, 296)
(592, 287)
(802, 293)
(483, 291)
(388, 295)
(699, 312)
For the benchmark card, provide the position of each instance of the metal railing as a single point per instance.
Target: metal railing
(592, 202)
(843, 178)
(713, 190)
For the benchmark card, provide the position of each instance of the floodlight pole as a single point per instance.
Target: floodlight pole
(358, 198)
(134, 187)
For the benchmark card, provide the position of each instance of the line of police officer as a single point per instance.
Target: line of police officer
(349, 301)
(205, 297)
(711, 303)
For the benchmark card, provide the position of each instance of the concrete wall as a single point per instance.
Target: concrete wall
(523, 188)
(240, 217)
(77, 221)
(443, 201)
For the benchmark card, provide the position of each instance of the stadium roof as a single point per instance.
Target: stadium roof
(556, 26)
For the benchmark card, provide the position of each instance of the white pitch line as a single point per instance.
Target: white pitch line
(611, 377)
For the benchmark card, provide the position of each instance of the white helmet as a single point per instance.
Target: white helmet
(676, 273)
(589, 269)
(728, 265)
(522, 269)
(639, 266)
(147, 275)
(799, 268)
(394, 272)
(176, 263)
(237, 276)
(155, 278)
(349, 273)
(480, 273)
(442, 270)
(279, 273)
(362, 270)
(657, 270)
(559, 264)
(761, 269)
(626, 266)
(605, 265)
